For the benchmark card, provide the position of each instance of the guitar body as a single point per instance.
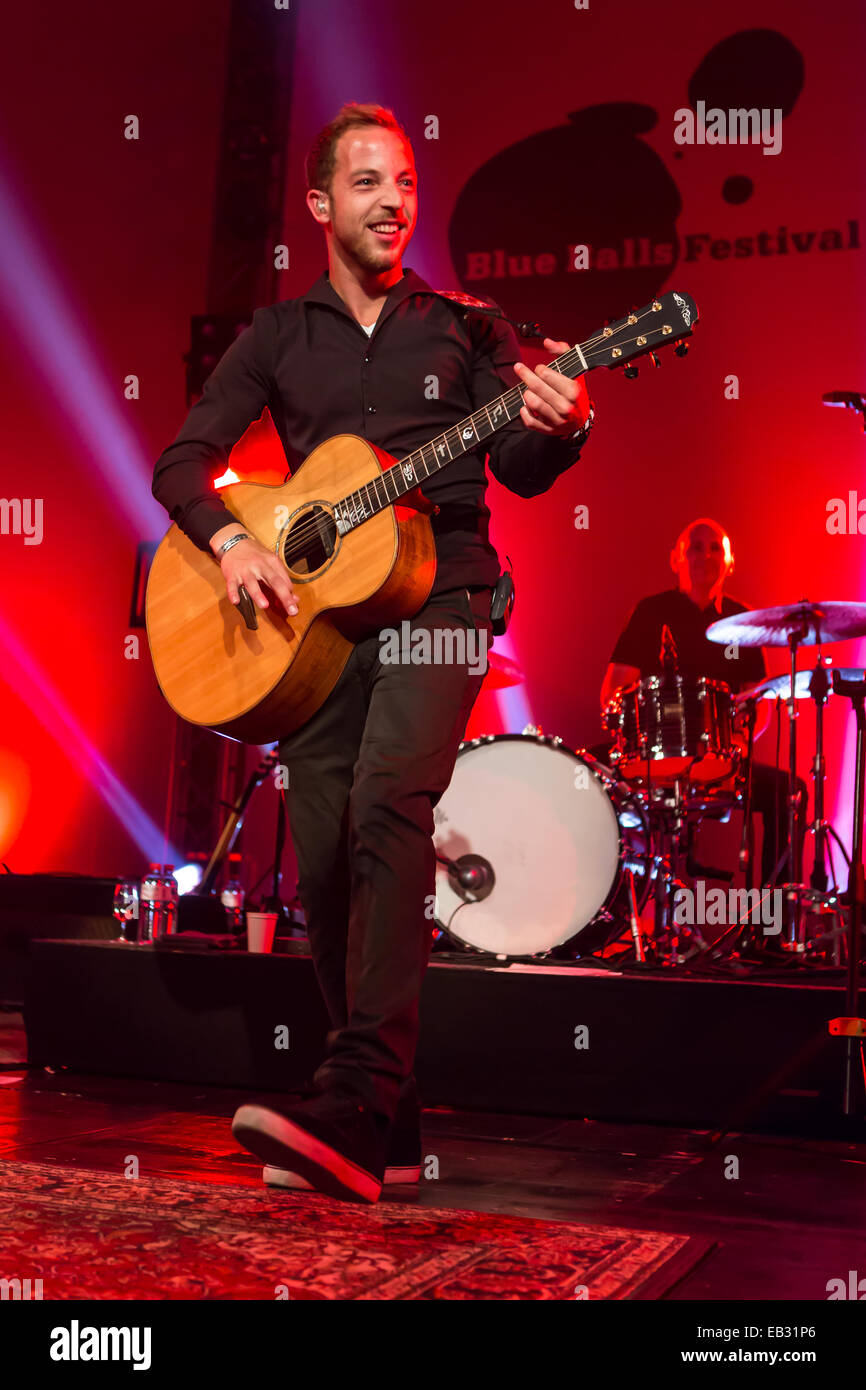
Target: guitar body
(259, 685)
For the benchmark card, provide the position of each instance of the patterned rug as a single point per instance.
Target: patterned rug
(92, 1235)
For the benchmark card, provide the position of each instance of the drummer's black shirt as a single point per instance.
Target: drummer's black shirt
(640, 642)
(425, 367)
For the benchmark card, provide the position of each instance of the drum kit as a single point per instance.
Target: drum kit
(545, 852)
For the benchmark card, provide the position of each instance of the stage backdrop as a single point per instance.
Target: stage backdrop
(537, 133)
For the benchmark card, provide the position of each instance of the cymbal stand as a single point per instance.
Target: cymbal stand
(821, 899)
(793, 936)
(819, 689)
(747, 844)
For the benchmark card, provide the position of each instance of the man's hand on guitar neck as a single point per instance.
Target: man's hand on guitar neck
(248, 562)
(553, 403)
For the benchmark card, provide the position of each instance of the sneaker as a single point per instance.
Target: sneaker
(335, 1141)
(402, 1155)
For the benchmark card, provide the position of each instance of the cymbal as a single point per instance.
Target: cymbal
(814, 623)
(778, 687)
(501, 673)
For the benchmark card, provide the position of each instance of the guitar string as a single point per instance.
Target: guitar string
(570, 358)
(314, 528)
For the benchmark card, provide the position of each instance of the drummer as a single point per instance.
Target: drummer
(702, 560)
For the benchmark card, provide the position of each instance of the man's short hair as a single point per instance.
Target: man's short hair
(322, 158)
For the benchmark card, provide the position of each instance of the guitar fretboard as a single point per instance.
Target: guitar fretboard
(466, 435)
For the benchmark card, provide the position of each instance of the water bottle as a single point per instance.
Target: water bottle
(125, 908)
(169, 901)
(232, 899)
(157, 904)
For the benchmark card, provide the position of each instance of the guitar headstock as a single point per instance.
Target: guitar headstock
(667, 320)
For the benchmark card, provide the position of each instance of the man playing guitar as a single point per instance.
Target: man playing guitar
(369, 350)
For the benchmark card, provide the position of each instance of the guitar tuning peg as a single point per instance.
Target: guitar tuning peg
(654, 359)
(630, 372)
(682, 348)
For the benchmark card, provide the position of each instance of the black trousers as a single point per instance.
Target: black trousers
(364, 774)
(770, 802)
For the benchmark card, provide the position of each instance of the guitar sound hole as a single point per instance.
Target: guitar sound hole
(310, 540)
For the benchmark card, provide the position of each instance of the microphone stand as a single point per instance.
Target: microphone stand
(850, 400)
(232, 827)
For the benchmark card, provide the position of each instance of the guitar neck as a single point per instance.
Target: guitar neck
(667, 320)
(417, 467)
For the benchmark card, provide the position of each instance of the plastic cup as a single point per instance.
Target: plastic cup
(260, 931)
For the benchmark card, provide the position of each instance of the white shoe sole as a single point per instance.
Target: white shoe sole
(284, 1177)
(277, 1140)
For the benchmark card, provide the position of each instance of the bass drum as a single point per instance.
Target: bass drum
(543, 837)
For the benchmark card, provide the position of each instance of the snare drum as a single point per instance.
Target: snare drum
(670, 728)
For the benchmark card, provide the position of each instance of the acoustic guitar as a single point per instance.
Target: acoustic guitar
(353, 530)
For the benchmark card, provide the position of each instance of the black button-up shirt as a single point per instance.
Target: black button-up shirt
(640, 642)
(424, 368)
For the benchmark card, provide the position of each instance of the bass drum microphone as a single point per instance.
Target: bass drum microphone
(471, 876)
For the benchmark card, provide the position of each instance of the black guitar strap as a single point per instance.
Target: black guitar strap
(471, 305)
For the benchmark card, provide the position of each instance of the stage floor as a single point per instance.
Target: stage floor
(791, 1221)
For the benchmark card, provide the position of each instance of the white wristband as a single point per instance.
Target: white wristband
(585, 427)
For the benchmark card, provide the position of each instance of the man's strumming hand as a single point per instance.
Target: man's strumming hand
(252, 564)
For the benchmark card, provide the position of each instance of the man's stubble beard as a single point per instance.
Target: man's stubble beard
(368, 258)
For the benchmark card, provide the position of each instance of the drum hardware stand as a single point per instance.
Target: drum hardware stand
(669, 935)
(852, 1025)
(674, 846)
(820, 899)
(819, 689)
(814, 900)
(793, 937)
(741, 930)
(747, 844)
(634, 921)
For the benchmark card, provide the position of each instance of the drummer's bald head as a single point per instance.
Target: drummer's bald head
(686, 538)
(702, 559)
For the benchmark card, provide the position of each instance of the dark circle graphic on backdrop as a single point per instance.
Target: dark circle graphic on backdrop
(737, 189)
(754, 68)
(591, 181)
